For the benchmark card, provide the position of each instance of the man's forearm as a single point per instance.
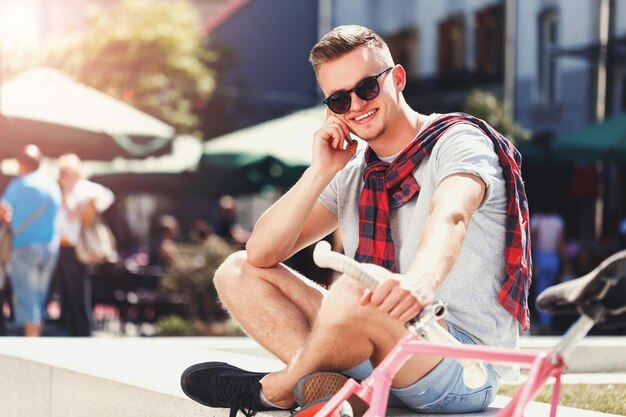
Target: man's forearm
(438, 250)
(278, 229)
(454, 203)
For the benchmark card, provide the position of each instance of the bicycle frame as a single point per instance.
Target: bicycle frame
(375, 389)
(543, 365)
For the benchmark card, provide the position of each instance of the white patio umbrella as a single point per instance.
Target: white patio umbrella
(49, 108)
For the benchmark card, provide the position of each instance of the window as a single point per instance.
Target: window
(548, 43)
(451, 52)
(489, 34)
(403, 46)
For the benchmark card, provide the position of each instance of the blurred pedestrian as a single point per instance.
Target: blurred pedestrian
(31, 203)
(549, 258)
(227, 226)
(163, 251)
(200, 231)
(3, 279)
(5, 248)
(82, 201)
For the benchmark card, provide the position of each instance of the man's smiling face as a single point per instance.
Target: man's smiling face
(366, 119)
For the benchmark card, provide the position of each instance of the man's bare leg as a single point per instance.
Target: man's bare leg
(345, 335)
(275, 306)
(284, 313)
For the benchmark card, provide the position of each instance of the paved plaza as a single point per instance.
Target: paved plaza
(134, 377)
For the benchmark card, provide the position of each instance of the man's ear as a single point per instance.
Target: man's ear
(399, 78)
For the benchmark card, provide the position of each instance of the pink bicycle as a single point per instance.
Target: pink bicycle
(599, 298)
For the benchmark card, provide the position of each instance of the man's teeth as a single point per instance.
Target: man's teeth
(363, 116)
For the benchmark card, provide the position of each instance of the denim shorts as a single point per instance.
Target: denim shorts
(31, 269)
(441, 390)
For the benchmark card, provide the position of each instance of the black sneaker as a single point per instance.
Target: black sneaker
(220, 385)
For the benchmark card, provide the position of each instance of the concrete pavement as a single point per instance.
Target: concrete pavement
(54, 377)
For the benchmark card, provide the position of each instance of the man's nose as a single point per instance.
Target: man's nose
(357, 103)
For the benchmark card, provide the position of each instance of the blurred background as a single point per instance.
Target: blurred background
(199, 114)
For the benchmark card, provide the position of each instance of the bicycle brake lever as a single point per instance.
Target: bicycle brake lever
(429, 314)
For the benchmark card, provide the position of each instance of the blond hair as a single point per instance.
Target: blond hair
(347, 38)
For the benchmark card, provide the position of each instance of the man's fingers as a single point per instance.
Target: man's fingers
(403, 304)
(332, 134)
(379, 294)
(338, 138)
(345, 129)
(410, 313)
(397, 297)
(341, 125)
(383, 290)
(389, 297)
(366, 297)
(332, 119)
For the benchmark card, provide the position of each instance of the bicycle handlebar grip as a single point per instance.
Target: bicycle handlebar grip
(326, 258)
(474, 373)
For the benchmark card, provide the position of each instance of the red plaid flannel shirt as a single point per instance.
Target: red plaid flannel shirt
(389, 186)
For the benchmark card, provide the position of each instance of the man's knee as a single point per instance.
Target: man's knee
(230, 271)
(342, 307)
(236, 271)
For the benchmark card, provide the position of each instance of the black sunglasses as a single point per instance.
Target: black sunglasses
(366, 89)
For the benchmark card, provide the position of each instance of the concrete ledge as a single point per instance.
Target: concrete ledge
(38, 390)
(123, 377)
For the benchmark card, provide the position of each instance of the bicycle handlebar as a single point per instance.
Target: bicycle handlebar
(369, 276)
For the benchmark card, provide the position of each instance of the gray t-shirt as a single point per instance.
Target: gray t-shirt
(471, 289)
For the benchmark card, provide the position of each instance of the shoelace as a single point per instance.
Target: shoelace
(245, 400)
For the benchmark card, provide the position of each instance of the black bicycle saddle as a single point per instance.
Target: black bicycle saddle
(601, 294)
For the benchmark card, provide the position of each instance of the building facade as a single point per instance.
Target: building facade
(452, 46)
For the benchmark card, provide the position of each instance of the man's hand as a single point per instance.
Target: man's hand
(5, 214)
(399, 302)
(332, 145)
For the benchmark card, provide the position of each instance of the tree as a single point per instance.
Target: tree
(148, 53)
(486, 106)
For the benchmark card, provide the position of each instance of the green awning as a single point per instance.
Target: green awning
(600, 141)
(271, 154)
